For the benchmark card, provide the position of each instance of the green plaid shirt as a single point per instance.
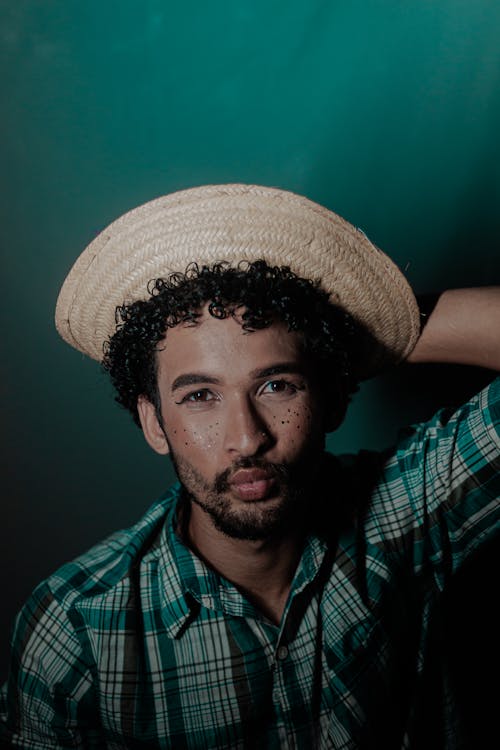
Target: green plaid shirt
(138, 644)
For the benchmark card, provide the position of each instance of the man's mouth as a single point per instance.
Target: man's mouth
(252, 484)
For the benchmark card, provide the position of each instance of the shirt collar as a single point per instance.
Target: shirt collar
(186, 582)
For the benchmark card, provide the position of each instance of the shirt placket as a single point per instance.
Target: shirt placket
(285, 689)
(279, 693)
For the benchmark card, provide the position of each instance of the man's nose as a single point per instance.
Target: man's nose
(247, 432)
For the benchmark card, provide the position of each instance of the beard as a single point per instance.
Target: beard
(252, 521)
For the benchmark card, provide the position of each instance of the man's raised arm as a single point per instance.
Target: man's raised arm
(463, 328)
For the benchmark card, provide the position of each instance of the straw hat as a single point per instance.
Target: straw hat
(234, 223)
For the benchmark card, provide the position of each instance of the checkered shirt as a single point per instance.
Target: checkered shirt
(139, 644)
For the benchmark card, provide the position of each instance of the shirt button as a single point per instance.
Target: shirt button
(282, 653)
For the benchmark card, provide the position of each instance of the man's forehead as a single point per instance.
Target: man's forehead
(224, 344)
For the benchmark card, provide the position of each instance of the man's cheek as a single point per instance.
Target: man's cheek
(202, 438)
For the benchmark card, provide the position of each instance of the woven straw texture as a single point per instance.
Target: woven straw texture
(234, 223)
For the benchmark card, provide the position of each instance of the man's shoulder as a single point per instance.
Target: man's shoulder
(109, 564)
(94, 593)
(453, 424)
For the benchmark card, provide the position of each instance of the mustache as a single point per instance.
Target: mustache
(279, 472)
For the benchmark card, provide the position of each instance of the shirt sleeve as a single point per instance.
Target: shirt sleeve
(436, 499)
(46, 702)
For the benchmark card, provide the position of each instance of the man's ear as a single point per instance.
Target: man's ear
(151, 427)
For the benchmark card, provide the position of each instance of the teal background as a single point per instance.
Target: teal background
(387, 112)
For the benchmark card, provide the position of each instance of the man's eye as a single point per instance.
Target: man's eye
(197, 397)
(279, 386)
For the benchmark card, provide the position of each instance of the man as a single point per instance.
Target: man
(277, 597)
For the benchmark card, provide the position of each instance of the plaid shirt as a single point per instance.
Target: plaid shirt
(138, 644)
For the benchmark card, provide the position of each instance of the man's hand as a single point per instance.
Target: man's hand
(463, 328)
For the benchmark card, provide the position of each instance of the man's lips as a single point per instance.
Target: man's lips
(251, 484)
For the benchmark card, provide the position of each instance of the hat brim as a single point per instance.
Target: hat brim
(237, 223)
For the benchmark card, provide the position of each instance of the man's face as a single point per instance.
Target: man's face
(241, 420)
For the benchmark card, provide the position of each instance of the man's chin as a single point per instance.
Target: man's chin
(248, 530)
(255, 519)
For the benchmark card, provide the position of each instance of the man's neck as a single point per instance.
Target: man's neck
(262, 570)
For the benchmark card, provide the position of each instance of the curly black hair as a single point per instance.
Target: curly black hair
(265, 294)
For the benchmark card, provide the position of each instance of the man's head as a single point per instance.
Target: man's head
(237, 373)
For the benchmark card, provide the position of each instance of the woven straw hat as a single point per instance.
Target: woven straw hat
(234, 223)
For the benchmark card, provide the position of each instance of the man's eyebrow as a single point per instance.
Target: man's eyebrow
(281, 368)
(198, 378)
(193, 378)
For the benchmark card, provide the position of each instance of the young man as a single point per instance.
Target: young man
(277, 597)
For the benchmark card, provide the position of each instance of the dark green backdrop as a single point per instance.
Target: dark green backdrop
(387, 112)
